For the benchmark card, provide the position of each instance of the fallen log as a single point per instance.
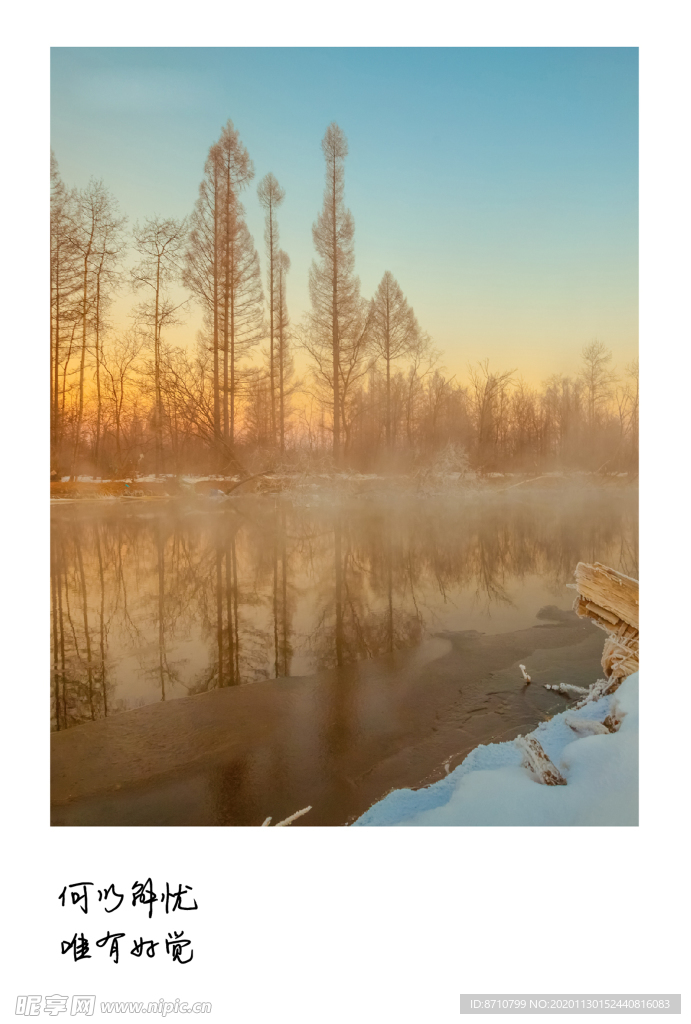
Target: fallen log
(610, 600)
(536, 761)
(614, 595)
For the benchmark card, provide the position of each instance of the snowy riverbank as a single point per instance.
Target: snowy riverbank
(491, 786)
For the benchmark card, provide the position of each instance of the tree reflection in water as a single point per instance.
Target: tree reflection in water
(163, 604)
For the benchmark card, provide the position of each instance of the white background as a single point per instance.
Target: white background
(322, 924)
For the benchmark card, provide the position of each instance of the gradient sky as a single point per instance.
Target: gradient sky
(499, 186)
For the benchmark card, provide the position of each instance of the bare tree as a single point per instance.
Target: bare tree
(187, 385)
(244, 325)
(271, 195)
(286, 369)
(632, 387)
(597, 378)
(337, 320)
(64, 291)
(222, 269)
(119, 361)
(488, 391)
(240, 265)
(627, 407)
(96, 216)
(202, 268)
(423, 362)
(108, 252)
(394, 332)
(161, 244)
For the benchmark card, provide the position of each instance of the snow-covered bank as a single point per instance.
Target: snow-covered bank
(491, 787)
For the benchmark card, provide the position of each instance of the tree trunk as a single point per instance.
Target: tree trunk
(56, 407)
(53, 349)
(336, 353)
(226, 301)
(271, 325)
(281, 361)
(217, 411)
(388, 376)
(82, 363)
(157, 374)
(232, 365)
(98, 372)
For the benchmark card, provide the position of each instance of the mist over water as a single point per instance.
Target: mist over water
(152, 602)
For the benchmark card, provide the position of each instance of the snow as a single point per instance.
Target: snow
(491, 786)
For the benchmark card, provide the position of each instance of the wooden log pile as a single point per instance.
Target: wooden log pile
(610, 600)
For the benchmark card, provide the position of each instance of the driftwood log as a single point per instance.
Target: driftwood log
(610, 599)
(536, 761)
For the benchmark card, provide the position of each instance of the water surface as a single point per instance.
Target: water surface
(392, 628)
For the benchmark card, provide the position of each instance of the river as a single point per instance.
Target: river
(217, 661)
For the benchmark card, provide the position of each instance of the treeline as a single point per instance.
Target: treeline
(374, 394)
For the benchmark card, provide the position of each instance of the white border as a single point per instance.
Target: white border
(368, 924)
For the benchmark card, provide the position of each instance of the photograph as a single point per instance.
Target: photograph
(327, 510)
(344, 412)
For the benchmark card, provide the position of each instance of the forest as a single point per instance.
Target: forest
(356, 385)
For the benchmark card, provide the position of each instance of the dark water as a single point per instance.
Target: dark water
(392, 628)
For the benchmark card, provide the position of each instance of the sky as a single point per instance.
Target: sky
(498, 185)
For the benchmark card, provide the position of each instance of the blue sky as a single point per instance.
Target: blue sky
(499, 186)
